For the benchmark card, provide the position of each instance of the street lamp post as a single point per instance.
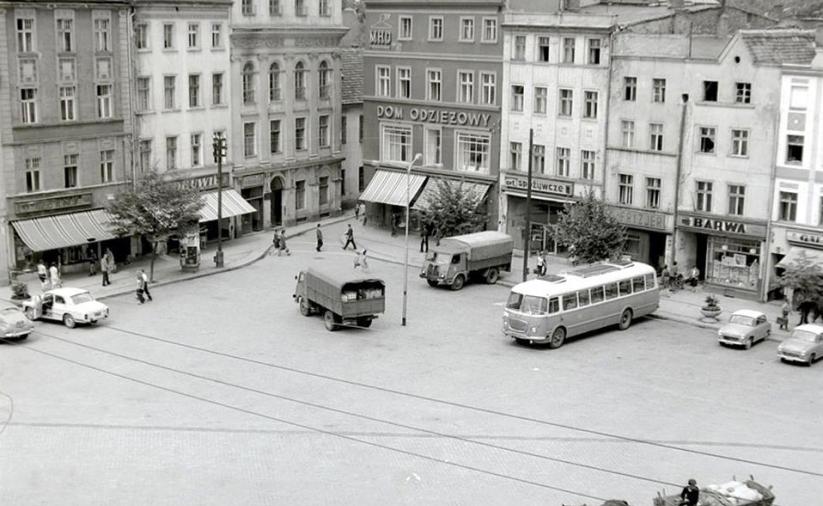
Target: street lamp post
(219, 149)
(406, 262)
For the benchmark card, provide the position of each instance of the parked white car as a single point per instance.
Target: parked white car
(745, 328)
(68, 305)
(804, 345)
(13, 325)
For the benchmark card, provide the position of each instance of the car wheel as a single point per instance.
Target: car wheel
(68, 321)
(558, 338)
(458, 282)
(431, 283)
(812, 358)
(625, 319)
(305, 308)
(492, 275)
(748, 344)
(330, 321)
(29, 312)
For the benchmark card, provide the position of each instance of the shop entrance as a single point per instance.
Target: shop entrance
(700, 260)
(276, 201)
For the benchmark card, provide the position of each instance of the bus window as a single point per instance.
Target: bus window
(569, 301)
(533, 305)
(611, 291)
(514, 300)
(597, 294)
(625, 287)
(649, 281)
(637, 284)
(554, 305)
(583, 297)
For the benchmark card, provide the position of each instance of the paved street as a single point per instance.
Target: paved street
(220, 392)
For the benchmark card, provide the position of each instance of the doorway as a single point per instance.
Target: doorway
(700, 261)
(277, 202)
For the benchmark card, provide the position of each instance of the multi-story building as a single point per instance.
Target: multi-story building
(351, 126)
(286, 107)
(432, 83)
(65, 127)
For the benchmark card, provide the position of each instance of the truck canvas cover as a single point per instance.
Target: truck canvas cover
(480, 245)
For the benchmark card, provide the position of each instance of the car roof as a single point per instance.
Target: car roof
(67, 291)
(810, 327)
(751, 313)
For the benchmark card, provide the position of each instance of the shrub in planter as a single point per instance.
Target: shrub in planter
(711, 308)
(19, 290)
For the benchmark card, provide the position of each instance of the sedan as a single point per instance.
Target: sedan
(745, 328)
(68, 305)
(13, 323)
(804, 345)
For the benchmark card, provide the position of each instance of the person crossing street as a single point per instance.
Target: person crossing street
(145, 278)
(319, 238)
(350, 239)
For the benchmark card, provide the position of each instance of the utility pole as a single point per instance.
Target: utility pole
(528, 208)
(219, 149)
(406, 261)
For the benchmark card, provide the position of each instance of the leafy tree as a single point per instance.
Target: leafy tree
(805, 278)
(156, 208)
(589, 230)
(451, 210)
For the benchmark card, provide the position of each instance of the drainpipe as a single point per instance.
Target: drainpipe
(683, 108)
(605, 163)
(765, 268)
(131, 63)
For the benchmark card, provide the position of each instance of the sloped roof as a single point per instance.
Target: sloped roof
(351, 62)
(777, 47)
(668, 46)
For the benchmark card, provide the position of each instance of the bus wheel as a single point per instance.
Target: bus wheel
(625, 319)
(457, 284)
(558, 338)
(492, 275)
(329, 321)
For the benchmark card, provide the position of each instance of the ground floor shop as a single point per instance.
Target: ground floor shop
(548, 198)
(648, 234)
(791, 248)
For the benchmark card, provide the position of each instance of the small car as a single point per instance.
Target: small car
(13, 323)
(804, 345)
(745, 328)
(69, 305)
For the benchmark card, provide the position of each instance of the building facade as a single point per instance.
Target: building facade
(286, 108)
(351, 127)
(66, 129)
(432, 83)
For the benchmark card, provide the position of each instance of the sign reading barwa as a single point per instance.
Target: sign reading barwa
(539, 185)
(722, 226)
(440, 116)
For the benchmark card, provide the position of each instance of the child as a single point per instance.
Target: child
(360, 260)
(785, 309)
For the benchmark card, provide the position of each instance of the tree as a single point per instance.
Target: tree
(589, 230)
(805, 278)
(451, 210)
(156, 208)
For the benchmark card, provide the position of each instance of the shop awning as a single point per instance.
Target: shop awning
(65, 230)
(476, 189)
(388, 187)
(800, 256)
(233, 205)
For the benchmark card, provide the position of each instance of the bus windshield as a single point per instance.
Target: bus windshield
(529, 304)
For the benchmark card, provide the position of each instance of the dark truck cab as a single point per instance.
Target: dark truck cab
(343, 300)
(457, 259)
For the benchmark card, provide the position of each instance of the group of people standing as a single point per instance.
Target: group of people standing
(49, 276)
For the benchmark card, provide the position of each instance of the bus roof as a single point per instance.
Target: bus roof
(582, 278)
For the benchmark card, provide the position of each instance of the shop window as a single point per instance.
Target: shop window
(788, 206)
(396, 143)
(703, 193)
(434, 146)
(733, 263)
(473, 152)
(630, 89)
(794, 149)
(710, 91)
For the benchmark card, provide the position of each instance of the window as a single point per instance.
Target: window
(625, 287)
(656, 136)
(820, 215)
(788, 206)
(168, 36)
(569, 301)
(704, 196)
(627, 133)
(171, 153)
(28, 105)
(517, 97)
(568, 50)
(597, 294)
(323, 190)
(144, 154)
(361, 179)
(590, 109)
(103, 67)
(554, 305)
(488, 82)
(737, 199)
(403, 82)
(274, 136)
(247, 7)
(516, 150)
(798, 97)
(361, 128)
(66, 70)
(707, 139)
(216, 35)
(710, 91)
(489, 30)
(435, 28)
(541, 98)
(434, 146)
(630, 89)
(653, 185)
(300, 134)
(67, 103)
(104, 104)
(323, 80)
(217, 88)
(248, 83)
(249, 139)
(611, 291)
(107, 166)
(141, 36)
(404, 32)
(743, 93)
(740, 142)
(794, 149)
(300, 7)
(101, 34)
(473, 152)
(658, 90)
(194, 36)
(434, 82)
(626, 189)
(32, 174)
(587, 164)
(274, 8)
(519, 47)
(194, 90)
(594, 51)
(543, 47)
(343, 128)
(324, 8)
(396, 143)
(539, 158)
(70, 170)
(466, 91)
(323, 131)
(383, 81)
(566, 102)
(583, 297)
(299, 81)
(168, 92)
(564, 162)
(467, 29)
(300, 194)
(343, 182)
(143, 97)
(196, 150)
(274, 82)
(25, 36)
(65, 35)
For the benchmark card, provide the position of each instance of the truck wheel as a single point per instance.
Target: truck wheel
(330, 321)
(364, 322)
(457, 284)
(431, 283)
(492, 275)
(558, 338)
(305, 307)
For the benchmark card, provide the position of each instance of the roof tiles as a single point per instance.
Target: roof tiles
(777, 47)
(352, 69)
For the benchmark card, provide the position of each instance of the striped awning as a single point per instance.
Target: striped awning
(387, 187)
(65, 230)
(233, 205)
(476, 189)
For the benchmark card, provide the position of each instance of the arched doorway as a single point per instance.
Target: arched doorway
(277, 201)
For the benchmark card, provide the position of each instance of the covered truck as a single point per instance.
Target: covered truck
(457, 259)
(731, 493)
(342, 299)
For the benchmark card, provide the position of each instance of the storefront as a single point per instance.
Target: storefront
(385, 196)
(648, 234)
(251, 189)
(792, 247)
(548, 199)
(233, 209)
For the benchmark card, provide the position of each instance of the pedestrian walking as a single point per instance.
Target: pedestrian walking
(92, 259)
(43, 275)
(54, 276)
(283, 247)
(357, 212)
(363, 212)
(691, 494)
(425, 232)
(107, 266)
(360, 260)
(541, 264)
(275, 242)
(319, 238)
(145, 279)
(139, 291)
(665, 277)
(350, 239)
(783, 320)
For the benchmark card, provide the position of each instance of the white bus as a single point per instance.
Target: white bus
(550, 309)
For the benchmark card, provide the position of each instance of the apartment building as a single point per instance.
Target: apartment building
(352, 174)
